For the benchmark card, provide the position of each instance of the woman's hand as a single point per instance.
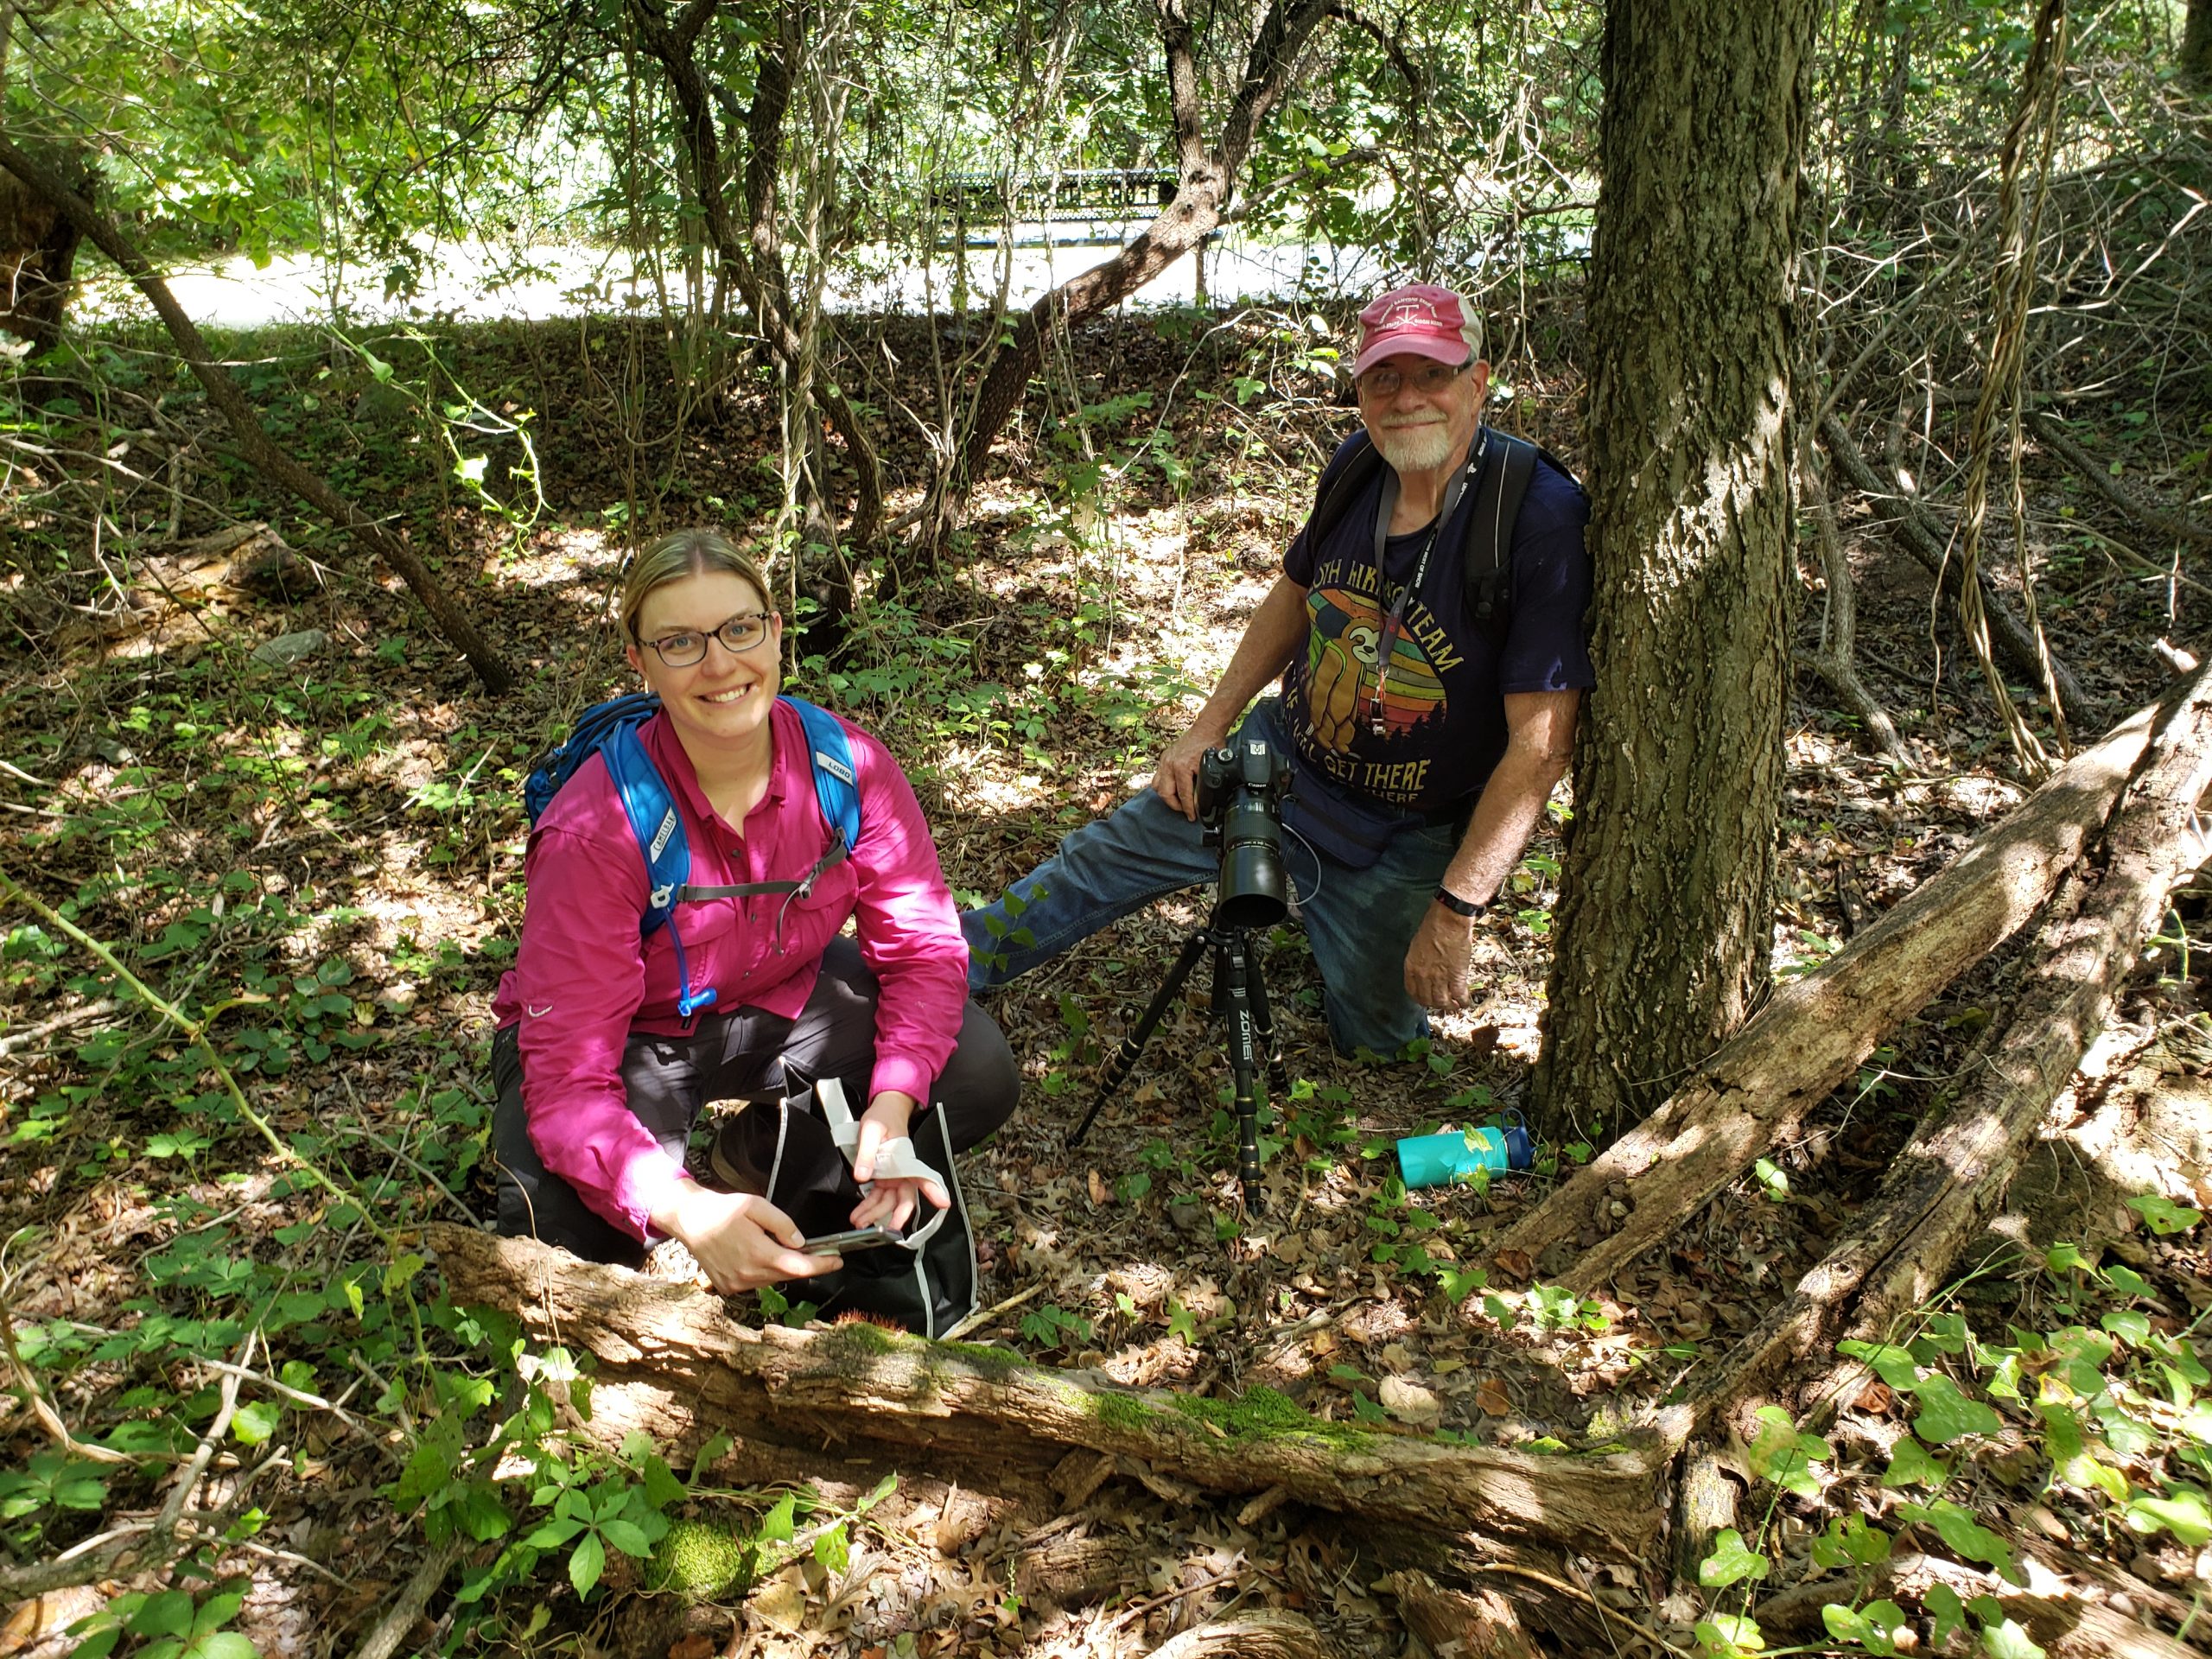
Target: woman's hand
(892, 1201)
(741, 1242)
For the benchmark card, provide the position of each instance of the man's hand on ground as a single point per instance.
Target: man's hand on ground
(1176, 780)
(1440, 961)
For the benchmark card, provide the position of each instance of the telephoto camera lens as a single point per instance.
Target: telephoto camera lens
(1240, 792)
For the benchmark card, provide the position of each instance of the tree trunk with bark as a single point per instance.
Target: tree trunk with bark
(2196, 59)
(750, 255)
(1206, 177)
(260, 450)
(1666, 913)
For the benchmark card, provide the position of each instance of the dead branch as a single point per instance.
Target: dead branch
(1963, 1167)
(2151, 516)
(1919, 537)
(1836, 659)
(1759, 1085)
(1945, 1185)
(687, 1367)
(254, 442)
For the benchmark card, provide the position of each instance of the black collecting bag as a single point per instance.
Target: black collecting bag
(926, 1283)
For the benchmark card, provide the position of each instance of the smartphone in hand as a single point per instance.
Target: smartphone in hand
(858, 1238)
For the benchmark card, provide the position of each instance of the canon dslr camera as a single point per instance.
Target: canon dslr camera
(1242, 787)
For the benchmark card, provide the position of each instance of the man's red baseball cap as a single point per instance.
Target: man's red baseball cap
(1422, 319)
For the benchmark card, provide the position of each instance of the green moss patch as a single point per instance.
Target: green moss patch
(704, 1561)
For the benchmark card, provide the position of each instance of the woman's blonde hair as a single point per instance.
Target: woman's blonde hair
(673, 558)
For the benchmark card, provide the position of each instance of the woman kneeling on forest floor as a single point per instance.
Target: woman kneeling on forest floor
(609, 1044)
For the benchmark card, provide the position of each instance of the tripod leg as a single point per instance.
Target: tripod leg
(1118, 1068)
(1233, 996)
(1270, 1044)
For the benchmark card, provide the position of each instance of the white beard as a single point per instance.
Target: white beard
(1414, 448)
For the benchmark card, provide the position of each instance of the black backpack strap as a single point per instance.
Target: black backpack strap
(1487, 558)
(1348, 474)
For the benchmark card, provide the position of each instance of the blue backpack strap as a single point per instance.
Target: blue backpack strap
(592, 730)
(837, 785)
(655, 821)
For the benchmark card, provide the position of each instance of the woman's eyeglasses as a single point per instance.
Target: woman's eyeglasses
(1428, 379)
(739, 634)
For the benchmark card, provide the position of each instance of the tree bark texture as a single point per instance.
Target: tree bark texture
(1263, 1633)
(1205, 179)
(1947, 1181)
(854, 1384)
(1666, 912)
(1814, 1030)
(260, 450)
(2196, 62)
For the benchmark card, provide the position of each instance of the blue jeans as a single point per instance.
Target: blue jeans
(1358, 922)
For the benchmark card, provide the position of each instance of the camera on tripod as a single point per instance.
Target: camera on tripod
(1242, 787)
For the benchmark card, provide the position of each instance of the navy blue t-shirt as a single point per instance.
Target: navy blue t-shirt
(1442, 713)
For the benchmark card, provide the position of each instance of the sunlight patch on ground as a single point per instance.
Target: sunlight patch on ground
(572, 555)
(1986, 798)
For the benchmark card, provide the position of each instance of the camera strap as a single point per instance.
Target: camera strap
(1394, 619)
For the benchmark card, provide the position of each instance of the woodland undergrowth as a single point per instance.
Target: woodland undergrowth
(262, 867)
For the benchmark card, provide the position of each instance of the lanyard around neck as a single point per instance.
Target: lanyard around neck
(1394, 619)
(1388, 504)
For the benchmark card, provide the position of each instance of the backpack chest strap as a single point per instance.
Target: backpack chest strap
(799, 889)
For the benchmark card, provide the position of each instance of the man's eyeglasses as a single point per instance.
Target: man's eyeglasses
(1428, 379)
(739, 634)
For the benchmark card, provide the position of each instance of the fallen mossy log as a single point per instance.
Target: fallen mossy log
(1813, 1033)
(1949, 1179)
(687, 1368)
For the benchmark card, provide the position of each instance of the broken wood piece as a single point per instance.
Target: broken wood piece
(1460, 1624)
(691, 1368)
(1705, 1506)
(1261, 1634)
(1813, 1033)
(1071, 1569)
(1952, 1175)
(2064, 1624)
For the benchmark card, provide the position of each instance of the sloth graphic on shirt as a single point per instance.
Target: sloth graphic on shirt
(1429, 738)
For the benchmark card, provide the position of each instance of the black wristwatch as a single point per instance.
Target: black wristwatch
(1459, 906)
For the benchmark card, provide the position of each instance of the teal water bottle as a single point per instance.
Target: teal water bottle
(1437, 1160)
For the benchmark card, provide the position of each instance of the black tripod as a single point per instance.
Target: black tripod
(1239, 995)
